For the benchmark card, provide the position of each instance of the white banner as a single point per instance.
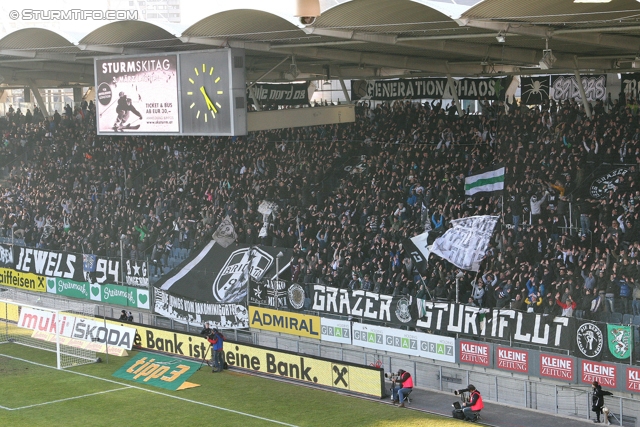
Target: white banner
(267, 209)
(335, 330)
(465, 244)
(566, 87)
(405, 342)
(77, 327)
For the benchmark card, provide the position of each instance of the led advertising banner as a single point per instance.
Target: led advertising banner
(137, 94)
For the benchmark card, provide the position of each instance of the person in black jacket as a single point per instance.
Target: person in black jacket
(597, 400)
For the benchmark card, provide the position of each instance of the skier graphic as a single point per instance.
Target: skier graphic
(123, 108)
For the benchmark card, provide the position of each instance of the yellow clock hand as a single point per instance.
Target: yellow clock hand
(210, 105)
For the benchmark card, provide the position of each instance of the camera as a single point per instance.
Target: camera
(307, 20)
(391, 376)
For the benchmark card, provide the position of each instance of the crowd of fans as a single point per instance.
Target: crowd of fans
(350, 194)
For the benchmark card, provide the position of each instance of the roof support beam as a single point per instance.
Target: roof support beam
(583, 95)
(345, 92)
(118, 50)
(13, 77)
(385, 60)
(591, 37)
(493, 52)
(38, 97)
(352, 35)
(257, 46)
(33, 54)
(86, 70)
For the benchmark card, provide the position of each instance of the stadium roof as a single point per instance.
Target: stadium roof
(352, 38)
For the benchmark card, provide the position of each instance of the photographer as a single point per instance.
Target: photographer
(216, 338)
(472, 408)
(402, 386)
(206, 332)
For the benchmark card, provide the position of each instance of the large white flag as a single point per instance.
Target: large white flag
(465, 244)
(226, 233)
(484, 182)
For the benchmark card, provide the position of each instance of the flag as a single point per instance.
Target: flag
(620, 339)
(489, 181)
(466, 243)
(419, 249)
(534, 90)
(89, 262)
(225, 234)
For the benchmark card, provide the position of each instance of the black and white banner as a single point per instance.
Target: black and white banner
(77, 267)
(217, 275)
(631, 85)
(534, 90)
(136, 273)
(510, 325)
(277, 294)
(591, 341)
(6, 256)
(183, 310)
(492, 88)
(420, 248)
(279, 93)
(607, 181)
(566, 87)
(369, 306)
(465, 244)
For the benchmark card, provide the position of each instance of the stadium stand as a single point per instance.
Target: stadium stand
(67, 189)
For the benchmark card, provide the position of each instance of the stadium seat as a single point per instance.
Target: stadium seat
(636, 320)
(604, 317)
(615, 318)
(627, 319)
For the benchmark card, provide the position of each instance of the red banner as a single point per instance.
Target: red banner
(561, 368)
(633, 379)
(474, 353)
(604, 373)
(513, 360)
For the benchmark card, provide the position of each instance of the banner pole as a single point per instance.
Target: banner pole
(104, 319)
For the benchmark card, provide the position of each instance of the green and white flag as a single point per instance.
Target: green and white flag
(620, 340)
(485, 182)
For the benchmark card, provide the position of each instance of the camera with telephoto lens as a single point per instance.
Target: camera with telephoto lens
(391, 376)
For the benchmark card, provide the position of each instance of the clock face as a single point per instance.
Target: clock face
(205, 93)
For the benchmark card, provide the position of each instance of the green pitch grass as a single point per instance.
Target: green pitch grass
(33, 395)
